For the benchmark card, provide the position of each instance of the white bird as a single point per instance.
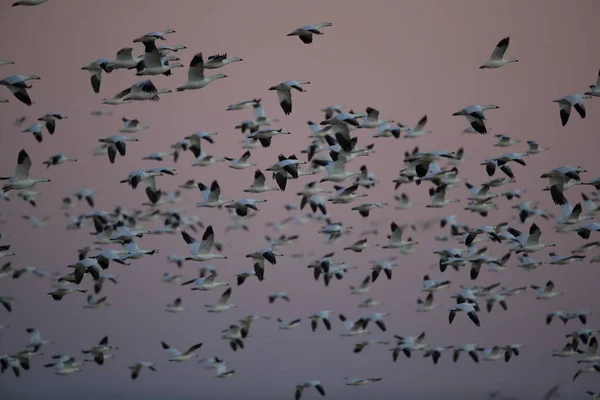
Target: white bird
(301, 386)
(96, 68)
(21, 179)
(222, 304)
(595, 88)
(139, 91)
(360, 381)
(138, 366)
(284, 93)
(306, 32)
(152, 63)
(258, 185)
(363, 287)
(241, 206)
(125, 59)
(211, 196)
(438, 197)
(132, 125)
(528, 243)
(154, 36)
(546, 292)
(417, 130)
(28, 3)
(469, 308)
(117, 143)
(286, 325)
(432, 285)
(574, 100)
(58, 159)
(475, 117)
(177, 356)
(176, 306)
(18, 86)
(497, 59)
(242, 162)
(201, 251)
(278, 295)
(220, 60)
(427, 304)
(196, 78)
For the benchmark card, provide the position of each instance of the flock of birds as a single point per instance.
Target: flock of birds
(337, 137)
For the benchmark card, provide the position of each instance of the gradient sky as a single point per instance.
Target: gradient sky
(405, 58)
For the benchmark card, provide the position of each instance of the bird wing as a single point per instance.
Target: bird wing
(196, 69)
(23, 165)
(500, 49)
(534, 234)
(224, 297)
(208, 238)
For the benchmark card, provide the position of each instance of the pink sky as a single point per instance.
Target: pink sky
(406, 59)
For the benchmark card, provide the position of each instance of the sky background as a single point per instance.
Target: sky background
(406, 59)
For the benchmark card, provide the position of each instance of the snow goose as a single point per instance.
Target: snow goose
(588, 369)
(395, 239)
(160, 156)
(59, 293)
(18, 86)
(203, 159)
(3, 100)
(438, 197)
(133, 252)
(417, 130)
(301, 386)
(220, 60)
(125, 59)
(284, 93)
(117, 143)
(264, 136)
(535, 148)
(494, 353)
(361, 345)
(259, 257)
(377, 318)
(558, 314)
(555, 259)
(278, 295)
(21, 179)
(528, 243)
(286, 325)
(160, 35)
(382, 265)
(574, 100)
(471, 349)
(177, 356)
(242, 162)
(360, 245)
(222, 371)
(242, 276)
(36, 131)
(176, 306)
(222, 304)
(258, 185)
(138, 366)
(360, 381)
(475, 117)
(132, 125)
(243, 104)
(498, 298)
(497, 59)
(427, 304)
(324, 316)
(584, 231)
(595, 89)
(6, 62)
(87, 194)
(305, 33)
(343, 195)
(432, 285)
(95, 69)
(436, 352)
(546, 292)
(363, 287)
(152, 62)
(336, 170)
(50, 121)
(139, 91)
(58, 159)
(352, 328)
(505, 141)
(241, 206)
(364, 209)
(65, 366)
(590, 356)
(28, 3)
(201, 251)
(385, 129)
(99, 352)
(92, 303)
(196, 78)
(36, 222)
(371, 119)
(211, 196)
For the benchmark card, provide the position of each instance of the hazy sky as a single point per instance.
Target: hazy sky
(405, 58)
